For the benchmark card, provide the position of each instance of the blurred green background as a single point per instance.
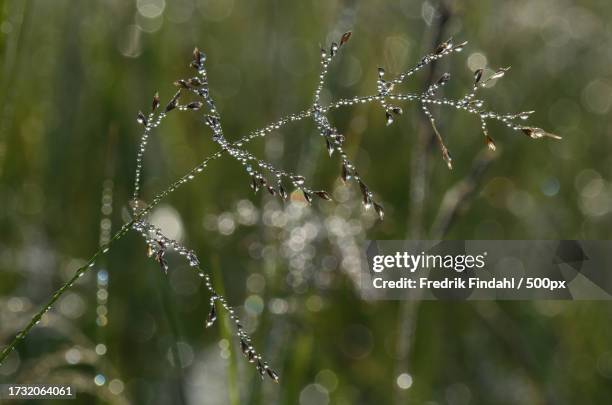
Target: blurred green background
(73, 75)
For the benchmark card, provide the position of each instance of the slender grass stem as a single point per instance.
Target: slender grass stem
(79, 273)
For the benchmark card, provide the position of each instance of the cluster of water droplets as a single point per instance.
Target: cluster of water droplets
(467, 103)
(158, 245)
(264, 175)
(334, 140)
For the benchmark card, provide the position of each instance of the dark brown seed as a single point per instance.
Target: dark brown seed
(251, 356)
(324, 195)
(388, 118)
(379, 210)
(271, 190)
(490, 142)
(272, 374)
(260, 368)
(365, 193)
(155, 103)
(173, 103)
(282, 192)
(444, 46)
(345, 173)
(345, 37)
(197, 56)
(212, 316)
(397, 110)
(330, 147)
(499, 73)
(443, 79)
(459, 47)
(163, 264)
(307, 196)
(244, 347)
(478, 75)
(195, 105)
(441, 48)
(536, 133)
(255, 184)
(529, 131)
(141, 119)
(170, 106)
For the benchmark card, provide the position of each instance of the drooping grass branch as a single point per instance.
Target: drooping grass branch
(194, 95)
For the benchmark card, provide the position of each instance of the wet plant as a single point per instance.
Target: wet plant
(194, 96)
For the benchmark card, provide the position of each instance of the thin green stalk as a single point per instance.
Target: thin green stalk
(80, 271)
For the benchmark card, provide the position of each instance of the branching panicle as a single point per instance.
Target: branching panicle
(265, 175)
(276, 181)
